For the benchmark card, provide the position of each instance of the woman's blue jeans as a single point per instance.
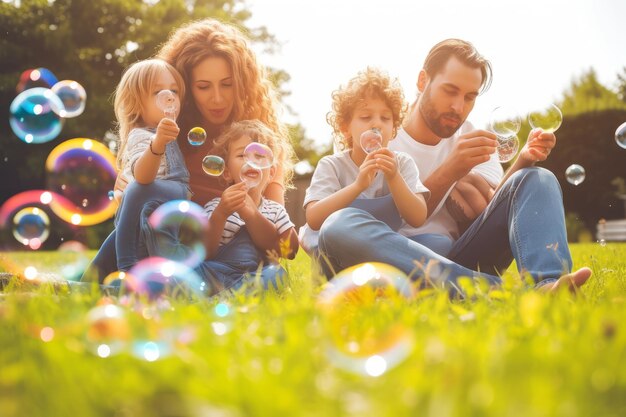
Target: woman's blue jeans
(524, 221)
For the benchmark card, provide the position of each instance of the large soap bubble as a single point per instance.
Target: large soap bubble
(359, 308)
(35, 115)
(81, 172)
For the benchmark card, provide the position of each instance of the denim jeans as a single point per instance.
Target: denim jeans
(524, 221)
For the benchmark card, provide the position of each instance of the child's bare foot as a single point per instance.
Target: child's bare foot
(572, 281)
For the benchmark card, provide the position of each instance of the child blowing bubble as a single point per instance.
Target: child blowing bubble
(242, 209)
(370, 103)
(148, 151)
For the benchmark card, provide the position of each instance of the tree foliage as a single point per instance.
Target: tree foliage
(587, 94)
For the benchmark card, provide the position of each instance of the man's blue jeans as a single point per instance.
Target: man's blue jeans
(524, 221)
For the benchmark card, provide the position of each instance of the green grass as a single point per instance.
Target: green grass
(511, 352)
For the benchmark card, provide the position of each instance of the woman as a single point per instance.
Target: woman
(224, 84)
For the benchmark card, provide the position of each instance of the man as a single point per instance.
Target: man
(516, 216)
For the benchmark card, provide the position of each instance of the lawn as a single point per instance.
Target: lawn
(506, 352)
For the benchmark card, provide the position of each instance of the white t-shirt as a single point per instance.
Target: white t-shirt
(337, 171)
(428, 158)
(271, 210)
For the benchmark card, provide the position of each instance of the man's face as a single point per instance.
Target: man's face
(449, 97)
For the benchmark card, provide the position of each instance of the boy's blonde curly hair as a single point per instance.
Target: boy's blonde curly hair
(371, 83)
(255, 130)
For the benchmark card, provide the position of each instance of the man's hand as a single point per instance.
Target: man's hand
(537, 147)
(468, 199)
(472, 148)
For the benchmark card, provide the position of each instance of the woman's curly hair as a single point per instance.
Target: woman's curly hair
(372, 82)
(255, 95)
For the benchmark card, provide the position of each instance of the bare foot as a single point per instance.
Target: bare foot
(572, 281)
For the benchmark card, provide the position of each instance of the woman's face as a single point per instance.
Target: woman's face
(213, 91)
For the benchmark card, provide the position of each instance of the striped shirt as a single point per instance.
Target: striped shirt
(271, 210)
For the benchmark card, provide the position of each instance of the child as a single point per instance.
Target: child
(242, 210)
(381, 182)
(148, 151)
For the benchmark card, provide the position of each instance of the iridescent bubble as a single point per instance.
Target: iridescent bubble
(31, 227)
(117, 278)
(80, 173)
(31, 78)
(505, 121)
(371, 140)
(359, 310)
(213, 165)
(250, 175)
(548, 119)
(258, 155)
(72, 95)
(620, 135)
(179, 227)
(196, 136)
(108, 331)
(31, 198)
(575, 174)
(35, 115)
(166, 102)
(507, 147)
(75, 260)
(157, 277)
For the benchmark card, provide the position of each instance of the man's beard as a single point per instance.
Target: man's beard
(433, 120)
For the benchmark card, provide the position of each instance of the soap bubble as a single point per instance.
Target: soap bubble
(507, 147)
(157, 277)
(196, 136)
(547, 119)
(505, 121)
(179, 227)
(258, 155)
(72, 95)
(35, 115)
(575, 174)
(31, 227)
(359, 310)
(80, 174)
(250, 175)
(166, 102)
(31, 78)
(213, 165)
(371, 140)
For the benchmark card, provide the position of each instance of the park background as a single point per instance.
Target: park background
(542, 52)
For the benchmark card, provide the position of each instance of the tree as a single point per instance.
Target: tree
(587, 94)
(92, 42)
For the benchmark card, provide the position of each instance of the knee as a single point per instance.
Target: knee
(537, 179)
(339, 226)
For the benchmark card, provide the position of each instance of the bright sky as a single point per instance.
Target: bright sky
(536, 46)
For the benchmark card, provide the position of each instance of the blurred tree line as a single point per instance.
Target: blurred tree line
(92, 42)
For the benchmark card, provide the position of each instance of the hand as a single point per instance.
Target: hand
(538, 146)
(367, 172)
(386, 162)
(166, 132)
(472, 148)
(233, 199)
(249, 208)
(469, 198)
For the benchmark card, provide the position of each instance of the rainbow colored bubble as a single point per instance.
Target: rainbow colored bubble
(80, 174)
(35, 115)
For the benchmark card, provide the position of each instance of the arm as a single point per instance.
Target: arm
(275, 190)
(318, 211)
(233, 199)
(468, 199)
(412, 206)
(147, 166)
(472, 148)
(263, 231)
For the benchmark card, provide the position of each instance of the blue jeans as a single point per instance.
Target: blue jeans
(123, 248)
(236, 263)
(525, 220)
